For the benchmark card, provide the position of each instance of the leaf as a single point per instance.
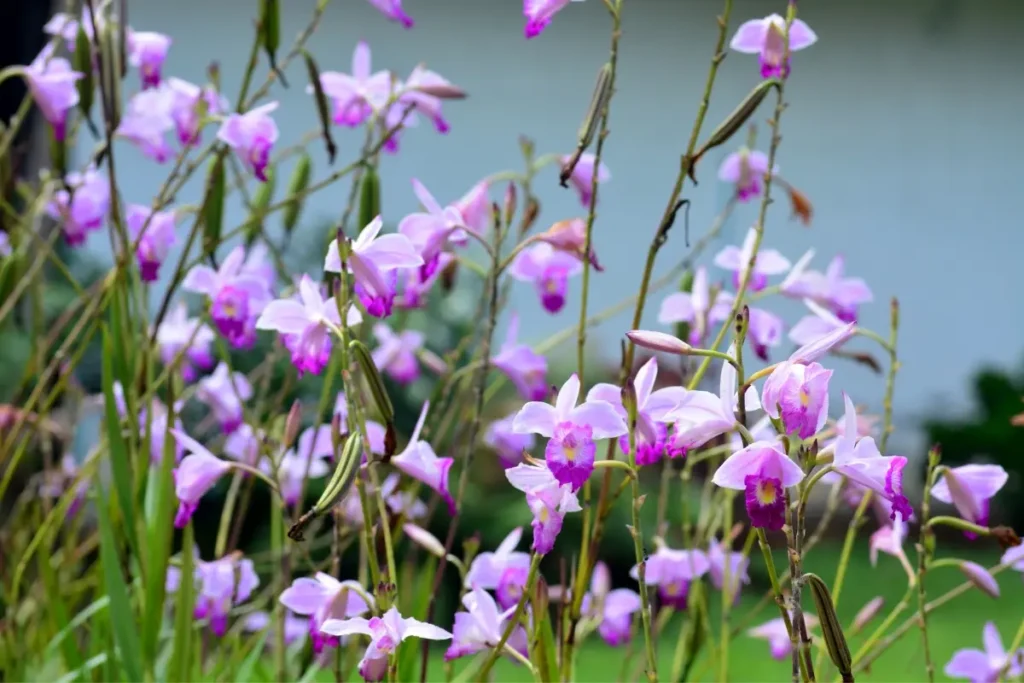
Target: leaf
(321, 106)
(120, 464)
(122, 618)
(248, 666)
(58, 613)
(181, 657)
(213, 206)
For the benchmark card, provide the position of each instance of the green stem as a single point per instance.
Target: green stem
(513, 622)
(773, 577)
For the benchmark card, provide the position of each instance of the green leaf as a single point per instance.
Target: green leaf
(120, 464)
(248, 666)
(160, 533)
(181, 659)
(58, 613)
(321, 106)
(122, 618)
(213, 206)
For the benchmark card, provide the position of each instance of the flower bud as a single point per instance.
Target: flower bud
(510, 202)
(322, 110)
(424, 539)
(802, 207)
(470, 547)
(292, 424)
(297, 185)
(981, 578)
(659, 341)
(867, 613)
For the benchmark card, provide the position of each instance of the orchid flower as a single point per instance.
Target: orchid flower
(722, 561)
(392, 9)
(745, 169)
(672, 571)
(146, 121)
(303, 462)
(539, 13)
(386, 633)
(889, 539)
(188, 102)
(582, 176)
(396, 353)
(548, 499)
(691, 307)
(419, 461)
(322, 598)
(767, 39)
(221, 584)
(766, 262)
(764, 328)
(764, 471)
(480, 627)
(155, 242)
(984, 666)
(429, 232)
(506, 442)
(797, 394)
(503, 571)
(572, 430)
(612, 610)
(970, 488)
(236, 297)
(178, 333)
(372, 256)
(147, 52)
(653, 409)
(549, 270)
(354, 96)
(52, 84)
(84, 208)
(818, 325)
(196, 474)
(842, 295)
(775, 633)
(524, 367)
(252, 136)
(224, 392)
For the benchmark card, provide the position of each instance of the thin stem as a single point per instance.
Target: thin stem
(773, 577)
(513, 622)
(925, 553)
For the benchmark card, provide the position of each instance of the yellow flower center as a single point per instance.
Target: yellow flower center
(805, 398)
(551, 286)
(544, 514)
(570, 453)
(766, 492)
(672, 589)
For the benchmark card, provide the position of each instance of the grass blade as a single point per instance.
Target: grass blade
(122, 618)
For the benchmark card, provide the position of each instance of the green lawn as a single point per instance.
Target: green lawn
(957, 624)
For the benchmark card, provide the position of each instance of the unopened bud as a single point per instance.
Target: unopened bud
(867, 613)
(448, 274)
(530, 214)
(424, 539)
(659, 341)
(801, 205)
(470, 547)
(831, 630)
(292, 424)
(510, 202)
(981, 578)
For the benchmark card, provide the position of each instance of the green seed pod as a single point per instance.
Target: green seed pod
(322, 109)
(260, 203)
(81, 62)
(213, 206)
(598, 103)
(369, 197)
(831, 629)
(377, 389)
(270, 29)
(734, 121)
(345, 473)
(297, 185)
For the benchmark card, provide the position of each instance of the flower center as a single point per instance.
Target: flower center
(673, 589)
(805, 398)
(767, 493)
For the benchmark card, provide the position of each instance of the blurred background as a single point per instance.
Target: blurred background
(902, 130)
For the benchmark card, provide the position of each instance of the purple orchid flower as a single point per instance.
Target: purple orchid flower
(221, 585)
(414, 287)
(767, 39)
(252, 135)
(549, 501)
(147, 51)
(153, 419)
(307, 460)
(478, 628)
(224, 392)
(508, 444)
(156, 241)
(386, 634)
(355, 96)
(571, 431)
(582, 177)
(889, 539)
(191, 105)
(295, 627)
(549, 270)
(196, 474)
(764, 472)
(690, 307)
(504, 571)
(237, 298)
(539, 14)
(612, 610)
(969, 488)
(672, 571)
(720, 558)
(66, 26)
(372, 256)
(245, 445)
(990, 664)
(653, 409)
(398, 502)
(818, 326)
(179, 332)
(981, 578)
(307, 324)
(419, 461)
(766, 263)
(775, 633)
(396, 353)
(570, 236)
(659, 341)
(84, 209)
(764, 329)
(798, 395)
(1014, 557)
(425, 91)
(860, 462)
(429, 232)
(745, 169)
(475, 207)
(831, 289)
(147, 120)
(51, 81)
(524, 367)
(324, 598)
(702, 415)
(392, 9)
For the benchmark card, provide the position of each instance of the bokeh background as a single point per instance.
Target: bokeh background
(902, 129)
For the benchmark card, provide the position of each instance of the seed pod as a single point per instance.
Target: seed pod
(831, 629)
(292, 424)
(322, 110)
(734, 121)
(213, 206)
(296, 190)
(270, 32)
(377, 390)
(260, 204)
(81, 61)
(345, 472)
(369, 196)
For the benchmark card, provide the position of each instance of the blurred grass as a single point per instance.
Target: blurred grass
(955, 625)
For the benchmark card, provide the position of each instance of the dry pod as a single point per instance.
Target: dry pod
(831, 629)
